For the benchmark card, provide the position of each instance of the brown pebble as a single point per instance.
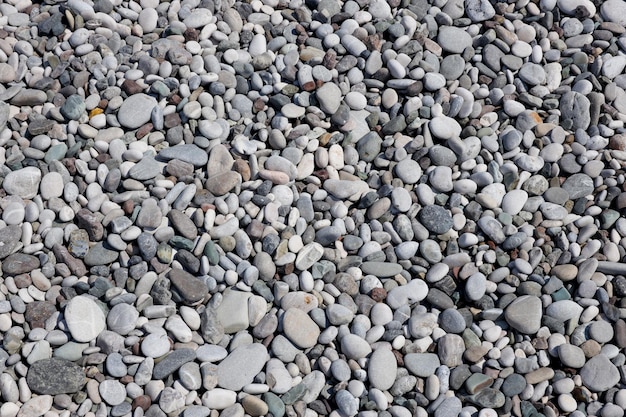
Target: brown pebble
(378, 294)
(22, 281)
(131, 87)
(144, 130)
(127, 379)
(242, 167)
(128, 206)
(143, 401)
(591, 348)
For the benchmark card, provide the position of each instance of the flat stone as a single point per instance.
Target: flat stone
(188, 286)
(599, 374)
(578, 186)
(524, 314)
(85, 319)
(232, 313)
(453, 39)
(422, 365)
(136, 110)
(19, 263)
(191, 154)
(122, 318)
(145, 169)
(382, 369)
(23, 182)
(172, 362)
(240, 367)
(300, 328)
(99, 255)
(55, 376)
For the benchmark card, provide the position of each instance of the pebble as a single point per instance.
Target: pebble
(524, 314)
(300, 328)
(240, 367)
(55, 376)
(382, 369)
(85, 319)
(599, 374)
(312, 209)
(23, 183)
(136, 111)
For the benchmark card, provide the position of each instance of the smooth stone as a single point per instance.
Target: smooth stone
(382, 369)
(564, 310)
(232, 313)
(300, 328)
(112, 392)
(136, 110)
(189, 153)
(355, 347)
(614, 11)
(219, 398)
(329, 97)
(172, 362)
(122, 318)
(444, 127)
(422, 365)
(23, 182)
(55, 376)
(240, 367)
(571, 356)
(51, 185)
(85, 319)
(453, 39)
(19, 263)
(513, 202)
(155, 345)
(34, 407)
(524, 314)
(599, 374)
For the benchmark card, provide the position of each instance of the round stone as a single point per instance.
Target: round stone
(524, 314)
(136, 110)
(85, 319)
(112, 392)
(436, 219)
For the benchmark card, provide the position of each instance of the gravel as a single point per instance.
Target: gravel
(312, 208)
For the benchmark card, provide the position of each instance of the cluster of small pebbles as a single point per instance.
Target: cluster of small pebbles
(307, 208)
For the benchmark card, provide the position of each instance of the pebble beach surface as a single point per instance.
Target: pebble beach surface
(312, 208)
